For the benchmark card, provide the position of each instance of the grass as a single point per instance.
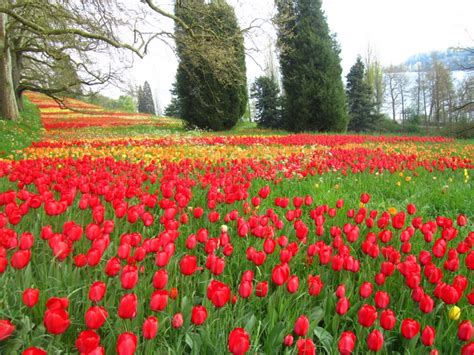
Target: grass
(20, 134)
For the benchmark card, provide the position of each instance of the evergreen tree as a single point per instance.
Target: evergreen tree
(266, 93)
(359, 99)
(211, 79)
(310, 66)
(145, 99)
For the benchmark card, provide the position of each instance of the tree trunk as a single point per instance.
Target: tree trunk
(17, 58)
(8, 104)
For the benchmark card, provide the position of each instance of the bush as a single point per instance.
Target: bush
(464, 130)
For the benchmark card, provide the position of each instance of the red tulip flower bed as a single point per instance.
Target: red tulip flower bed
(349, 249)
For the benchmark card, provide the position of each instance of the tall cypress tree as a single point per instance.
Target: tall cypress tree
(145, 99)
(310, 66)
(211, 80)
(265, 91)
(359, 99)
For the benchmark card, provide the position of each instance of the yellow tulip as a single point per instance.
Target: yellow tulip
(454, 313)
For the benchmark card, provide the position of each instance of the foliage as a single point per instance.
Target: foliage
(124, 103)
(463, 130)
(310, 65)
(174, 107)
(20, 134)
(267, 106)
(359, 99)
(145, 99)
(211, 78)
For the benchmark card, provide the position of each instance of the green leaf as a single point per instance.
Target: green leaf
(325, 338)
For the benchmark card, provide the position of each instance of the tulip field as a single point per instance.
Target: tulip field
(257, 243)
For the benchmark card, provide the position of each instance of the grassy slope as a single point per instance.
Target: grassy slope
(20, 134)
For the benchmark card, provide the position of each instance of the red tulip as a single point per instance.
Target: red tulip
(366, 289)
(20, 259)
(382, 299)
(198, 315)
(261, 289)
(95, 317)
(177, 321)
(410, 328)
(30, 297)
(315, 285)
(159, 300)
(150, 327)
(367, 315)
(426, 304)
(34, 351)
(87, 341)
(56, 321)
(160, 279)
(428, 336)
(97, 291)
(188, 265)
(342, 306)
(6, 329)
(128, 306)
(218, 293)
(245, 289)
(292, 284)
(346, 343)
(375, 340)
(112, 267)
(465, 330)
(305, 347)
(301, 326)
(468, 349)
(280, 274)
(239, 341)
(340, 291)
(387, 319)
(288, 340)
(129, 277)
(126, 343)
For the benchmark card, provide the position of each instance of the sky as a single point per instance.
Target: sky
(394, 30)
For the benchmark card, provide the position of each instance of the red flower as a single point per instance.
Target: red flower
(97, 291)
(56, 321)
(388, 319)
(128, 306)
(288, 340)
(150, 327)
(127, 343)
(30, 297)
(382, 299)
(34, 351)
(293, 284)
(346, 343)
(218, 293)
(365, 290)
(160, 279)
(280, 274)
(129, 277)
(261, 289)
(20, 259)
(159, 300)
(198, 315)
(426, 304)
(301, 326)
(410, 328)
(315, 285)
(245, 289)
(6, 329)
(95, 317)
(342, 306)
(239, 341)
(428, 336)
(465, 330)
(87, 341)
(367, 315)
(188, 265)
(177, 321)
(305, 347)
(375, 340)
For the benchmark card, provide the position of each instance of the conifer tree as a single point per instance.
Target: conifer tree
(211, 80)
(359, 99)
(314, 97)
(145, 99)
(265, 91)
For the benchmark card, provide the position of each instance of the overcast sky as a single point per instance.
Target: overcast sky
(395, 29)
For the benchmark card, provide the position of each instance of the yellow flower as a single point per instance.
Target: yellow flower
(336, 186)
(392, 210)
(361, 205)
(454, 313)
(399, 183)
(401, 174)
(408, 179)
